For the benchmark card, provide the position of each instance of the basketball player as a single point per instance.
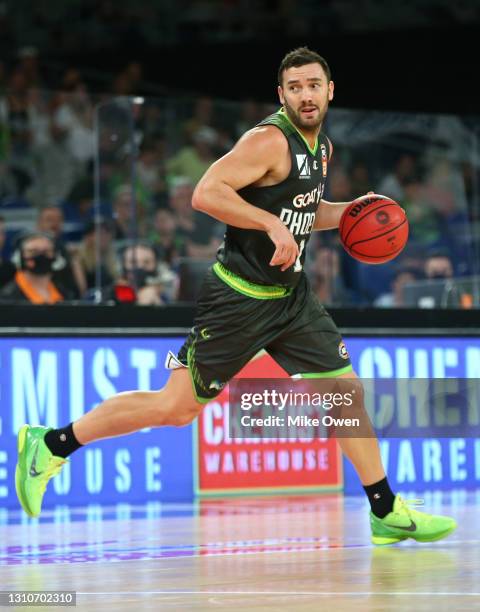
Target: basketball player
(268, 190)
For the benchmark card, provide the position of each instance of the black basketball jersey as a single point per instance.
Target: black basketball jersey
(295, 200)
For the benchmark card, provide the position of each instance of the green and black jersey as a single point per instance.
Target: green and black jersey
(246, 305)
(247, 252)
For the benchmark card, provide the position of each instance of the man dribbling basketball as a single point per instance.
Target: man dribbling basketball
(268, 190)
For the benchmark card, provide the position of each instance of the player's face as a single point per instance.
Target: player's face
(305, 94)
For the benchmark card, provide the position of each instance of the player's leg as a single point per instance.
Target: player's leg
(131, 411)
(391, 519)
(226, 335)
(312, 347)
(364, 453)
(42, 451)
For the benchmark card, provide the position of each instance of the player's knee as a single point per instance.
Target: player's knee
(178, 411)
(352, 390)
(184, 415)
(357, 389)
(172, 409)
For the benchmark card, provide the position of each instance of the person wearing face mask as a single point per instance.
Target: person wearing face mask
(34, 258)
(145, 280)
(438, 265)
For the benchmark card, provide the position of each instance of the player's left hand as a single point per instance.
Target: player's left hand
(369, 193)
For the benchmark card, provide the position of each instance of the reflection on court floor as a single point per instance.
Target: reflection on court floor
(256, 553)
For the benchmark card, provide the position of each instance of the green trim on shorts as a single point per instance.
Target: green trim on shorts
(259, 292)
(195, 376)
(330, 374)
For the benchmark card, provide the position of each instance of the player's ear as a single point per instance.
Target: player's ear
(280, 94)
(331, 87)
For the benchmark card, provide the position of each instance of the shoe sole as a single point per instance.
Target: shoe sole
(383, 541)
(437, 537)
(22, 434)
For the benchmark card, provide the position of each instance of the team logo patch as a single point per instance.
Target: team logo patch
(303, 166)
(217, 385)
(205, 333)
(323, 149)
(342, 350)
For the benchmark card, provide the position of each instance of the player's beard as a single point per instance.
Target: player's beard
(296, 116)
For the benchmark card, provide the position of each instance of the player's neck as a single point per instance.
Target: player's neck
(310, 136)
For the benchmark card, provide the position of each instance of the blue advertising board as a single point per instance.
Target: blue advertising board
(53, 381)
(416, 463)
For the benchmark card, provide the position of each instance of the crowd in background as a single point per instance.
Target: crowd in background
(101, 187)
(102, 24)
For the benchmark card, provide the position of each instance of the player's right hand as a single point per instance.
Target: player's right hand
(286, 249)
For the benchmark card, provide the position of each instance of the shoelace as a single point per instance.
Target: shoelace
(414, 502)
(53, 468)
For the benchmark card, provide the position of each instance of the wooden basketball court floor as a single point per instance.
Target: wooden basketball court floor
(263, 553)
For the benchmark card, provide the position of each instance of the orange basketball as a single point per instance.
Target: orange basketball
(374, 229)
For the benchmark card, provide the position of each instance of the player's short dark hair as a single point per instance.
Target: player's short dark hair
(301, 57)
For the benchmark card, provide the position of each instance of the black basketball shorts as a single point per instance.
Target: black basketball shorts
(236, 319)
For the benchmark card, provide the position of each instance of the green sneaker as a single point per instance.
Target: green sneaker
(404, 522)
(35, 466)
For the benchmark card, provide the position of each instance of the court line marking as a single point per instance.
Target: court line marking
(322, 542)
(411, 546)
(293, 593)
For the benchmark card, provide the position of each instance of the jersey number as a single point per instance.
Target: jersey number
(298, 266)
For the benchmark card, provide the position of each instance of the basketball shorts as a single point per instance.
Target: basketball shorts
(236, 319)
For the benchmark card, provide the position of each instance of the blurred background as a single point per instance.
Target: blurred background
(110, 112)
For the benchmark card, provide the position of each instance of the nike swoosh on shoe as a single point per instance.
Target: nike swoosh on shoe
(411, 527)
(33, 466)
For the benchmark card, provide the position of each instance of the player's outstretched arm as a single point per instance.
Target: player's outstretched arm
(256, 154)
(329, 213)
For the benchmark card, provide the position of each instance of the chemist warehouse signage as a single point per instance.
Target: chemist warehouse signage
(433, 456)
(434, 461)
(53, 381)
(229, 465)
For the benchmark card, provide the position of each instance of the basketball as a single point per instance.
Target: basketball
(374, 229)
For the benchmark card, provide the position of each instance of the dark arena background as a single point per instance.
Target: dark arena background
(110, 113)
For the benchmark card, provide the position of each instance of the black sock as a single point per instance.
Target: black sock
(381, 497)
(62, 442)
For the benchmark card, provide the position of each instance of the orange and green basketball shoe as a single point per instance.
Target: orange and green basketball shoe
(35, 466)
(404, 522)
